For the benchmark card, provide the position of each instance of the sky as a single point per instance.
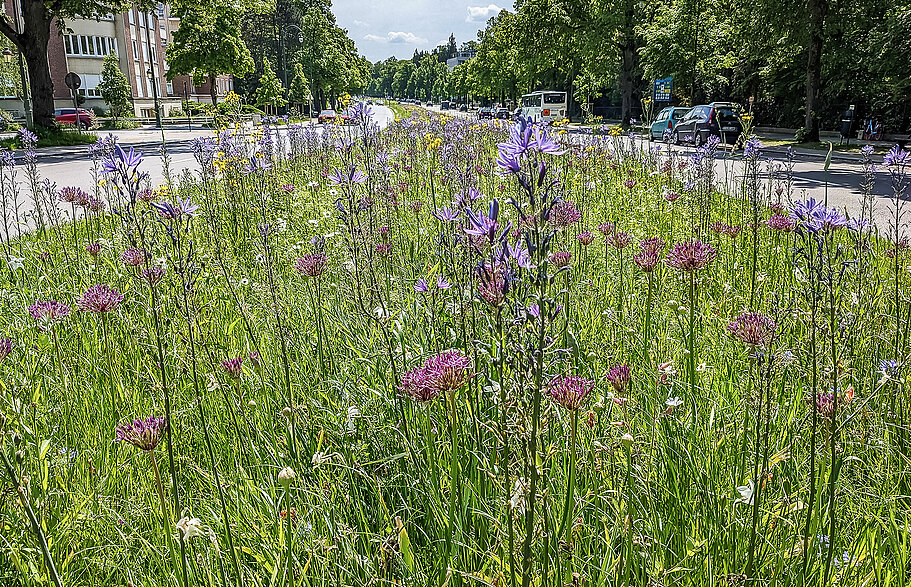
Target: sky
(383, 28)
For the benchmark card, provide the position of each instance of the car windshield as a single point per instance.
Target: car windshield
(328, 112)
(726, 114)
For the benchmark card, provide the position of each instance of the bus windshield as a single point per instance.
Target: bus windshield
(531, 100)
(555, 98)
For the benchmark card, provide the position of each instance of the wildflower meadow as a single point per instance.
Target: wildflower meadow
(452, 353)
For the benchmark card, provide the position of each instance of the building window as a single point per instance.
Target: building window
(135, 51)
(130, 13)
(89, 46)
(170, 88)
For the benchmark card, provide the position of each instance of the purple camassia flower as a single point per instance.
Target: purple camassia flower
(143, 433)
(486, 226)
(353, 175)
(233, 367)
(519, 253)
(6, 347)
(752, 329)
(752, 149)
(570, 391)
(442, 373)
(466, 197)
(447, 214)
(120, 160)
(814, 216)
(311, 265)
(49, 312)
(421, 286)
(175, 210)
(99, 299)
(28, 138)
(691, 255)
(619, 376)
(524, 137)
(897, 157)
(442, 283)
(257, 162)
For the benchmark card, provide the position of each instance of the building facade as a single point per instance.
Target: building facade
(140, 41)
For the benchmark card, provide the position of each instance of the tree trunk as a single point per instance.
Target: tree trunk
(33, 45)
(629, 63)
(213, 89)
(817, 12)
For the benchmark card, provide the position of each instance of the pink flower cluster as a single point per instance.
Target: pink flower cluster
(691, 255)
(311, 265)
(570, 390)
(442, 373)
(99, 299)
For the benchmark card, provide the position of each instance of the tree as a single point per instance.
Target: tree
(270, 91)
(207, 43)
(32, 42)
(299, 92)
(115, 87)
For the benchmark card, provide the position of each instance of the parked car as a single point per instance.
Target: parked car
(666, 121)
(463, 108)
(716, 119)
(347, 117)
(69, 116)
(485, 112)
(326, 116)
(444, 105)
(501, 112)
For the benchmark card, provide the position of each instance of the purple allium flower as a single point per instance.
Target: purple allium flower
(153, 275)
(619, 240)
(442, 373)
(146, 196)
(233, 367)
(647, 260)
(732, 231)
(752, 329)
(672, 196)
(560, 259)
(585, 238)
(311, 265)
(718, 227)
(133, 257)
(73, 195)
(99, 299)
(570, 391)
(6, 347)
(564, 213)
(630, 183)
(143, 433)
(254, 358)
(49, 312)
(781, 223)
(825, 404)
(416, 206)
(93, 249)
(606, 228)
(94, 204)
(383, 249)
(492, 285)
(691, 255)
(619, 376)
(288, 188)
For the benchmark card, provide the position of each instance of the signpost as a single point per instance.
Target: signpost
(663, 89)
(74, 82)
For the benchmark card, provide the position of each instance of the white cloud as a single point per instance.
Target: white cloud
(361, 23)
(398, 38)
(482, 13)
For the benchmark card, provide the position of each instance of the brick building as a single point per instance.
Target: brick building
(140, 41)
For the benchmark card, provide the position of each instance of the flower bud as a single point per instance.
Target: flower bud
(672, 304)
(286, 476)
(286, 412)
(627, 440)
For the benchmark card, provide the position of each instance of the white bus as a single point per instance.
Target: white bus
(544, 106)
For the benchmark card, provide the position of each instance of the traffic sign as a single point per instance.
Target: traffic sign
(72, 81)
(663, 89)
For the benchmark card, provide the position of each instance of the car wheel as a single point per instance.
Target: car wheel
(697, 139)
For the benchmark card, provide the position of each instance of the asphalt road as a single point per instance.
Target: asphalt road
(840, 186)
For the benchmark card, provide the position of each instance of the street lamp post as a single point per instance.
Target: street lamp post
(151, 71)
(281, 40)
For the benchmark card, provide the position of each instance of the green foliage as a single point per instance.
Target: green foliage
(54, 137)
(270, 91)
(299, 92)
(115, 88)
(208, 41)
(7, 123)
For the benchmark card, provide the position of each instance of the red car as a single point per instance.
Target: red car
(69, 116)
(326, 116)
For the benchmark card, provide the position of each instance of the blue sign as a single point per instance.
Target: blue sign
(663, 88)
